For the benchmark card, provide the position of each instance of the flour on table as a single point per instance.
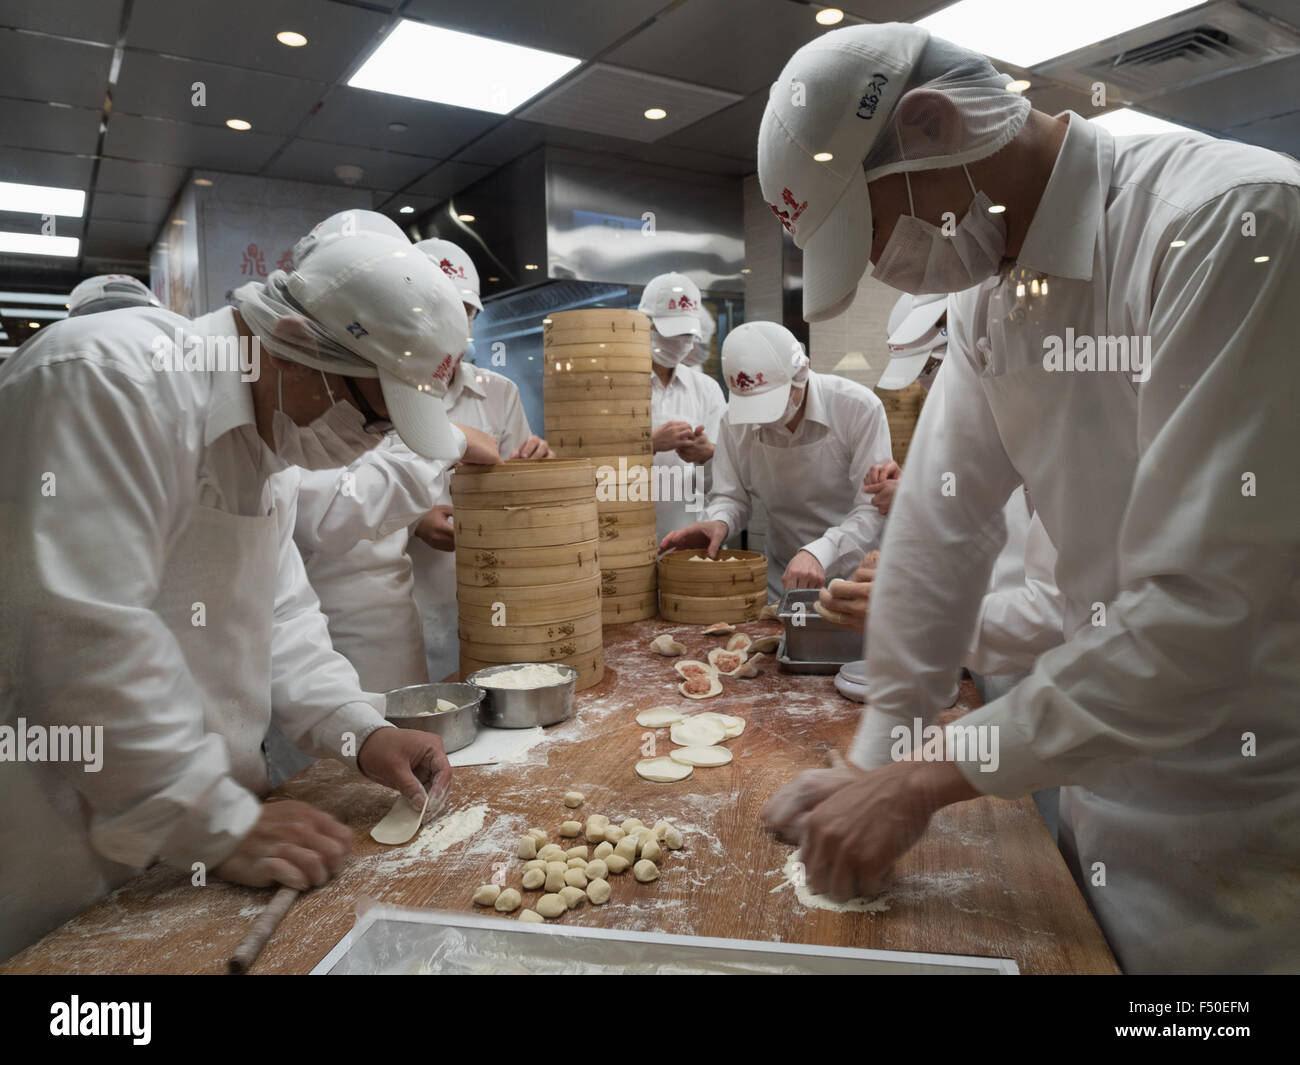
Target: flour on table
(793, 871)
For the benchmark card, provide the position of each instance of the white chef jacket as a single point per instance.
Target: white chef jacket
(697, 399)
(352, 531)
(486, 400)
(1173, 507)
(810, 480)
(130, 498)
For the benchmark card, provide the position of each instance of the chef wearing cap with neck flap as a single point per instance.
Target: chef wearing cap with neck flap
(109, 292)
(685, 408)
(154, 600)
(487, 401)
(801, 443)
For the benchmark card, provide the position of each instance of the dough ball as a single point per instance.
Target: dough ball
(575, 878)
(527, 848)
(570, 829)
(534, 878)
(551, 852)
(530, 917)
(613, 833)
(626, 848)
(658, 717)
(554, 881)
(551, 905)
(661, 827)
(508, 901)
(577, 852)
(603, 850)
(645, 871)
(575, 863)
(595, 828)
(652, 852)
(596, 870)
(673, 839)
(486, 895)
(536, 863)
(538, 835)
(557, 866)
(631, 823)
(598, 892)
(574, 799)
(572, 895)
(616, 863)
(661, 770)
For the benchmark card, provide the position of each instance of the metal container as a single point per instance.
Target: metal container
(417, 707)
(525, 707)
(810, 638)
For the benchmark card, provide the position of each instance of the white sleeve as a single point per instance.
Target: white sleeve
(93, 492)
(316, 697)
(713, 408)
(945, 528)
(865, 429)
(1207, 546)
(1015, 626)
(514, 428)
(386, 489)
(729, 492)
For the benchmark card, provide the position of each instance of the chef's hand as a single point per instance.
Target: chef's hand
(804, 571)
(784, 813)
(709, 534)
(480, 449)
(880, 483)
(292, 844)
(672, 435)
(437, 530)
(850, 600)
(852, 839)
(408, 761)
(699, 450)
(533, 448)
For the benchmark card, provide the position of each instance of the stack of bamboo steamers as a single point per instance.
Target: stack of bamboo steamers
(596, 393)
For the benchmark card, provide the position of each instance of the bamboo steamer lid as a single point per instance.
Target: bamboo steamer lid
(704, 610)
(621, 609)
(589, 664)
(484, 632)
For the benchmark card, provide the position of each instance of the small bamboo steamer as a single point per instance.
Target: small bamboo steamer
(543, 650)
(628, 580)
(597, 364)
(596, 384)
(580, 423)
(526, 475)
(704, 610)
(484, 632)
(576, 556)
(680, 576)
(621, 609)
(606, 318)
(627, 541)
(483, 521)
(637, 439)
(563, 593)
(577, 412)
(589, 664)
(477, 537)
(557, 354)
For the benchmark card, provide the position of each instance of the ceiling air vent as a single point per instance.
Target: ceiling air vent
(1195, 46)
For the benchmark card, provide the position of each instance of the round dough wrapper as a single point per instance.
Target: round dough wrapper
(658, 717)
(662, 770)
(733, 726)
(701, 756)
(694, 732)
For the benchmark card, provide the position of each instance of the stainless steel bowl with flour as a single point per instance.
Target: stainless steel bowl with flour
(525, 694)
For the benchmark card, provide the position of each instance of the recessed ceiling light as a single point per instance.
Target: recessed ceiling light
(41, 199)
(997, 208)
(202, 182)
(471, 71)
(35, 312)
(33, 297)
(823, 157)
(1124, 121)
(1019, 85)
(654, 114)
(37, 244)
(494, 279)
(530, 266)
(1261, 258)
(1018, 32)
(291, 38)
(33, 325)
(178, 221)
(397, 127)
(1178, 243)
(349, 173)
(408, 209)
(467, 217)
(829, 16)
(239, 124)
(744, 269)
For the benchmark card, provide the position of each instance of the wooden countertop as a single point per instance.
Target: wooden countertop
(985, 880)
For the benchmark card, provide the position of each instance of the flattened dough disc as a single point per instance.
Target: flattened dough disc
(658, 717)
(662, 770)
(694, 732)
(400, 823)
(734, 726)
(702, 756)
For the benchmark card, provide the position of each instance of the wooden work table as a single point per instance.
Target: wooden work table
(985, 880)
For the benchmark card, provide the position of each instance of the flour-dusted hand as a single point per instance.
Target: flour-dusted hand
(408, 761)
(785, 811)
(672, 435)
(699, 449)
(881, 483)
(291, 843)
(804, 571)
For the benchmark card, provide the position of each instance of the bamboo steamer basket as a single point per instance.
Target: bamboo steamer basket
(680, 576)
(478, 631)
(528, 527)
(577, 412)
(704, 610)
(621, 609)
(589, 664)
(596, 385)
(628, 580)
(530, 604)
(543, 651)
(594, 325)
(902, 411)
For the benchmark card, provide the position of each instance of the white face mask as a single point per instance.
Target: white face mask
(336, 438)
(919, 259)
(793, 404)
(669, 351)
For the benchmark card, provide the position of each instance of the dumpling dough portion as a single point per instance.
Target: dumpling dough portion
(658, 717)
(703, 756)
(697, 731)
(400, 823)
(662, 770)
(732, 726)
(668, 647)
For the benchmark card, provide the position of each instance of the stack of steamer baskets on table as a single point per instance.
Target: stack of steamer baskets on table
(527, 576)
(697, 590)
(597, 399)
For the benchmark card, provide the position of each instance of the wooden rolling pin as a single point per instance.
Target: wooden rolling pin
(263, 928)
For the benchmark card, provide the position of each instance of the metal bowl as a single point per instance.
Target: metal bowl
(417, 707)
(525, 707)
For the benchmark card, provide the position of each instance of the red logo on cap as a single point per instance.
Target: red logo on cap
(443, 372)
(789, 218)
(683, 303)
(741, 382)
(451, 269)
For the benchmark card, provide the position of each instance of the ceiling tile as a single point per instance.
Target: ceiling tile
(120, 207)
(571, 27)
(45, 168)
(184, 144)
(1282, 134)
(732, 132)
(337, 35)
(1234, 99)
(504, 142)
(29, 124)
(128, 240)
(87, 20)
(43, 68)
(1285, 10)
(160, 87)
(139, 179)
(305, 160)
(362, 117)
(448, 179)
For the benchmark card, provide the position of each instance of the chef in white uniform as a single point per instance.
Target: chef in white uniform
(699, 353)
(1165, 480)
(154, 601)
(686, 409)
(802, 443)
(482, 399)
(109, 292)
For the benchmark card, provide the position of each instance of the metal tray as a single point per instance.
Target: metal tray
(394, 940)
(800, 665)
(809, 637)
